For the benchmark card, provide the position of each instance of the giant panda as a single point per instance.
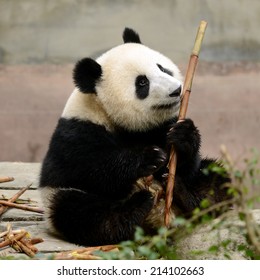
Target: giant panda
(118, 126)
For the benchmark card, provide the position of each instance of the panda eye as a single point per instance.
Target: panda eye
(142, 81)
(142, 86)
(164, 70)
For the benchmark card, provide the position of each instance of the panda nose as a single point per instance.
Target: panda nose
(176, 93)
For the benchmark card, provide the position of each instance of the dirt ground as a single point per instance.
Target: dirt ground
(224, 105)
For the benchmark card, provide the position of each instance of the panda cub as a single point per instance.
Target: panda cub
(118, 126)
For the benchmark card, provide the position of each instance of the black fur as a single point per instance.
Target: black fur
(142, 86)
(130, 36)
(89, 219)
(164, 70)
(101, 167)
(86, 74)
(176, 92)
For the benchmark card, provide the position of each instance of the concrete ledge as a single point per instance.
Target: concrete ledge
(200, 240)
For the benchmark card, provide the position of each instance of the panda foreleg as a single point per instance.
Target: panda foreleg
(91, 220)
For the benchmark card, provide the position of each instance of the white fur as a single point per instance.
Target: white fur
(116, 101)
(47, 193)
(86, 107)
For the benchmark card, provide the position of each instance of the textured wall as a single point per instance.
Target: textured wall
(64, 30)
(225, 98)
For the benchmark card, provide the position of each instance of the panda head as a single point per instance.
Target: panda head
(136, 87)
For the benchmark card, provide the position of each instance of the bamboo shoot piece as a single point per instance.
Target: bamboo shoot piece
(22, 207)
(6, 179)
(3, 209)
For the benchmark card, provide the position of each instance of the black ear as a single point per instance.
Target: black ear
(130, 36)
(85, 75)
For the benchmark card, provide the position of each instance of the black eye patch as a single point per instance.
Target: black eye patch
(164, 70)
(142, 86)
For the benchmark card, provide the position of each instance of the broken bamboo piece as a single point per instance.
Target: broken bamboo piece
(25, 249)
(9, 241)
(21, 206)
(19, 240)
(3, 209)
(4, 233)
(85, 253)
(90, 250)
(6, 179)
(182, 114)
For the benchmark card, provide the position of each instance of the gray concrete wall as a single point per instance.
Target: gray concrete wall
(61, 31)
(41, 39)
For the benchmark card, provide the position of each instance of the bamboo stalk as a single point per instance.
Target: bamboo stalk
(9, 229)
(182, 114)
(85, 253)
(35, 240)
(19, 241)
(20, 200)
(89, 250)
(3, 209)
(27, 244)
(21, 206)
(4, 233)
(24, 248)
(9, 241)
(6, 179)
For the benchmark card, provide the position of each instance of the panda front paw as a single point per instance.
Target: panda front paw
(185, 138)
(152, 159)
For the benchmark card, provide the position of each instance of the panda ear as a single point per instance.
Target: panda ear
(130, 36)
(85, 75)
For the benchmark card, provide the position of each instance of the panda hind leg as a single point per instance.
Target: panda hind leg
(188, 194)
(89, 220)
(213, 185)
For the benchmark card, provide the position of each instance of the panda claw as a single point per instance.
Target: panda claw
(152, 167)
(153, 158)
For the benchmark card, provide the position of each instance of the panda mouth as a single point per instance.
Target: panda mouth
(166, 106)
